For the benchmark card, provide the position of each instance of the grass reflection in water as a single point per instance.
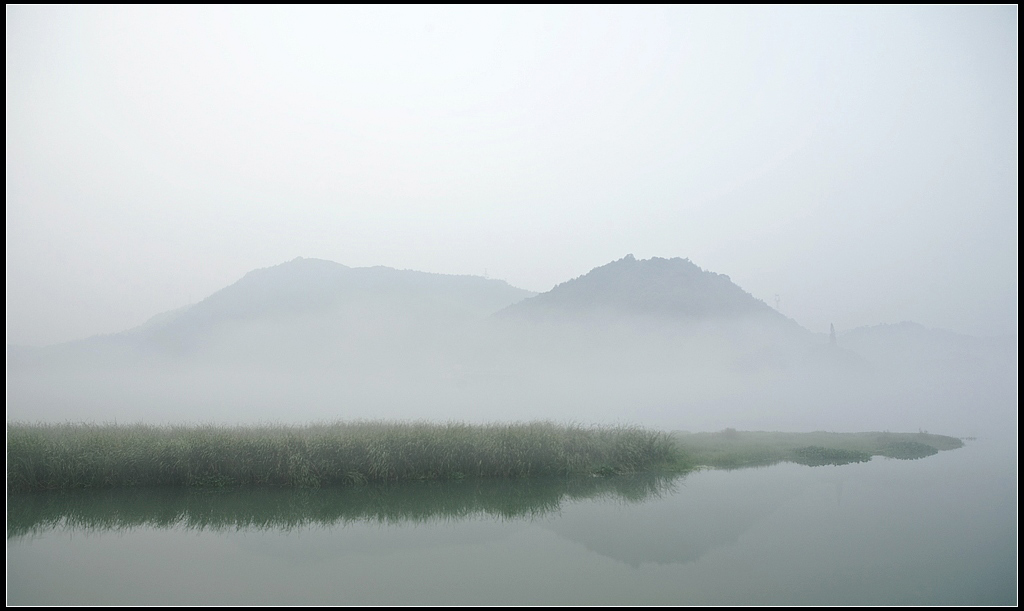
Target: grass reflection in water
(283, 509)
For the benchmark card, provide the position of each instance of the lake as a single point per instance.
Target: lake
(936, 531)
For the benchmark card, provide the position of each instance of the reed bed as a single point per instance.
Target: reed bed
(92, 456)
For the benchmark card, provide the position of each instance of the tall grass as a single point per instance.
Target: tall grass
(76, 456)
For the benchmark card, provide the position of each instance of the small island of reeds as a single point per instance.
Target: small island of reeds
(93, 456)
(732, 449)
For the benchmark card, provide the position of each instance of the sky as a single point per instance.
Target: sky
(851, 165)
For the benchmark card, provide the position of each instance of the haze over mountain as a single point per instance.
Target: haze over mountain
(656, 287)
(314, 286)
(858, 163)
(658, 341)
(270, 308)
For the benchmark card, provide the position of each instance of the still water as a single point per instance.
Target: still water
(941, 530)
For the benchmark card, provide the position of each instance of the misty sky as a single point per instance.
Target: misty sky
(858, 162)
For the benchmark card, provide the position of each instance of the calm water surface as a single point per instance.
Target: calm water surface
(942, 530)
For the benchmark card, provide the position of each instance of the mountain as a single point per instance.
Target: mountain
(333, 294)
(314, 286)
(660, 288)
(315, 312)
(301, 304)
(658, 341)
(656, 288)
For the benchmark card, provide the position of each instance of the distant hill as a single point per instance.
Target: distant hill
(907, 342)
(659, 340)
(297, 300)
(328, 299)
(660, 288)
(315, 286)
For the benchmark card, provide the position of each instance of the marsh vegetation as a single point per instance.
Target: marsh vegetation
(730, 449)
(88, 456)
(83, 456)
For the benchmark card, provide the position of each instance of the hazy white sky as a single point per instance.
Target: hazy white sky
(861, 163)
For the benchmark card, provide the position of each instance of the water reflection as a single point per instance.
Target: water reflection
(935, 531)
(286, 509)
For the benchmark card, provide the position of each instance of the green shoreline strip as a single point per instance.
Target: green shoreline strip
(732, 449)
(88, 456)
